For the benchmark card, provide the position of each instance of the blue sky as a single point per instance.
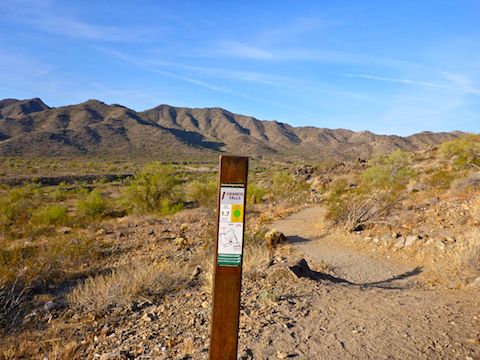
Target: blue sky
(391, 67)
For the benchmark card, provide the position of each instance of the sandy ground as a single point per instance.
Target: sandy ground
(384, 312)
(306, 231)
(359, 305)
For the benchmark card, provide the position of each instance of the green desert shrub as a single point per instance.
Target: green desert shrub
(441, 178)
(463, 151)
(287, 187)
(357, 209)
(255, 193)
(379, 189)
(50, 215)
(153, 190)
(169, 207)
(59, 192)
(391, 173)
(16, 207)
(92, 205)
(204, 193)
(339, 193)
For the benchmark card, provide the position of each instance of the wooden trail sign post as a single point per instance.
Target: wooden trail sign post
(232, 192)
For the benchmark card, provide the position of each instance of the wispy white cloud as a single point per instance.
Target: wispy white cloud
(74, 28)
(54, 19)
(149, 65)
(286, 82)
(244, 51)
(192, 73)
(427, 84)
(297, 27)
(154, 67)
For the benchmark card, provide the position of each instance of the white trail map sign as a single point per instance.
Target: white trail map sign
(230, 229)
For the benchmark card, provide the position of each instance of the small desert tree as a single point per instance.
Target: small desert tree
(203, 192)
(286, 186)
(463, 151)
(153, 190)
(16, 206)
(93, 205)
(379, 189)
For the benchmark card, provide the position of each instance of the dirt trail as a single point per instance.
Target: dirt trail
(306, 231)
(389, 319)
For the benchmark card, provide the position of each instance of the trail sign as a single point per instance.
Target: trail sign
(232, 190)
(230, 225)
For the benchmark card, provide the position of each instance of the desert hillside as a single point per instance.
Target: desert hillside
(31, 128)
(336, 257)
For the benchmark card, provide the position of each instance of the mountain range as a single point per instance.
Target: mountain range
(30, 128)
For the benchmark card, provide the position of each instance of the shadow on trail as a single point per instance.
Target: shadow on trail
(300, 239)
(302, 270)
(405, 275)
(297, 239)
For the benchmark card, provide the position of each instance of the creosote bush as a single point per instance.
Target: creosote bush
(204, 192)
(154, 190)
(379, 189)
(16, 207)
(255, 193)
(59, 193)
(463, 151)
(391, 173)
(50, 215)
(286, 186)
(92, 205)
(442, 178)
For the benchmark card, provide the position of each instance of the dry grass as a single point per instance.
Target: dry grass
(123, 286)
(12, 295)
(52, 344)
(207, 279)
(268, 214)
(468, 254)
(57, 349)
(49, 261)
(475, 210)
(256, 259)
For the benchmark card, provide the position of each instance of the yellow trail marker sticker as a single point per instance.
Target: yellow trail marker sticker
(237, 213)
(230, 229)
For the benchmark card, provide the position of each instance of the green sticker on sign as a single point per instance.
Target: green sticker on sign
(229, 260)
